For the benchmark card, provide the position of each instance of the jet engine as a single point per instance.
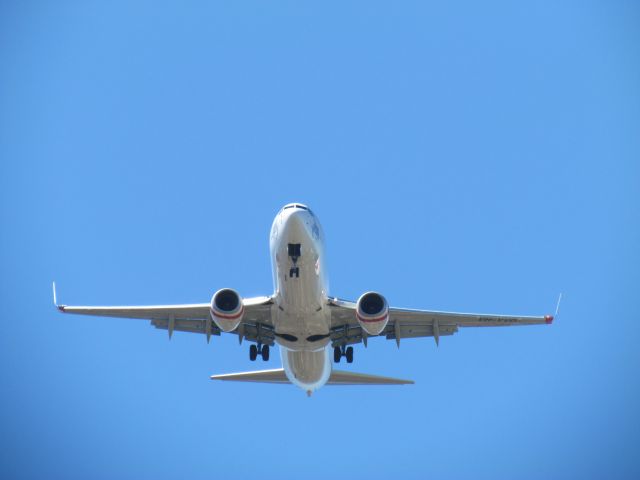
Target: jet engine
(372, 312)
(227, 309)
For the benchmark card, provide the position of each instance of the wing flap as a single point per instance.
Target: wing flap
(418, 330)
(185, 325)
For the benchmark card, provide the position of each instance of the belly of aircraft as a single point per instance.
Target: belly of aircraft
(308, 370)
(302, 318)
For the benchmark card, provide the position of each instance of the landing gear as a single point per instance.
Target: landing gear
(293, 249)
(339, 352)
(255, 350)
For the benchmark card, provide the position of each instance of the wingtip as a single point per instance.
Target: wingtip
(55, 299)
(549, 318)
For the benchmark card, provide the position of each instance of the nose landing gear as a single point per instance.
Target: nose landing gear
(339, 352)
(262, 350)
(293, 249)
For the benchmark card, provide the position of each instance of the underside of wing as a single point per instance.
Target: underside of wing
(407, 323)
(256, 324)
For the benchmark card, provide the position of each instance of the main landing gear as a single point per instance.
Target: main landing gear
(262, 350)
(339, 352)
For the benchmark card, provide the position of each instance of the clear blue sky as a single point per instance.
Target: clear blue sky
(471, 156)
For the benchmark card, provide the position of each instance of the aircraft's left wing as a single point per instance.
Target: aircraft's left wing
(406, 323)
(256, 324)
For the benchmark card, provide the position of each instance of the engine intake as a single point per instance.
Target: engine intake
(372, 312)
(227, 309)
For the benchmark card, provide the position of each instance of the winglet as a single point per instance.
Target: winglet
(558, 304)
(55, 299)
(549, 318)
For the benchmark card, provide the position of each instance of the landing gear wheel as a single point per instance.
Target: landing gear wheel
(265, 352)
(337, 353)
(253, 353)
(349, 354)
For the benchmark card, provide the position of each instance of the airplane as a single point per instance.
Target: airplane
(309, 325)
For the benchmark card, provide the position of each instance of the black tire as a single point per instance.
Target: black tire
(349, 354)
(337, 354)
(253, 353)
(265, 352)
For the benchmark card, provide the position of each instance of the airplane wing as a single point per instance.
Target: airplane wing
(406, 323)
(256, 324)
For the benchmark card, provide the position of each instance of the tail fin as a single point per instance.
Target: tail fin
(338, 377)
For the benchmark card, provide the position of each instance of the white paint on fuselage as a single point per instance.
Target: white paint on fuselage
(300, 308)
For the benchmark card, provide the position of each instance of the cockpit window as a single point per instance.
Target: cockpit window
(297, 205)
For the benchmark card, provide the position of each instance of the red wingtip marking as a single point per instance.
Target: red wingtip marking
(548, 318)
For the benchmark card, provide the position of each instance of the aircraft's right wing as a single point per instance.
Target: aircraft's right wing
(256, 326)
(407, 323)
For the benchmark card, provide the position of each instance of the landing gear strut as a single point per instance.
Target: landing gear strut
(293, 249)
(255, 350)
(339, 352)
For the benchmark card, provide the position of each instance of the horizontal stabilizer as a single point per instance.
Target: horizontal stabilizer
(338, 377)
(276, 375)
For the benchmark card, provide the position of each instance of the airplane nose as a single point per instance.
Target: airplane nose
(296, 226)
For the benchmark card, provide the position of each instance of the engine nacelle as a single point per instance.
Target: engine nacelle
(372, 312)
(227, 309)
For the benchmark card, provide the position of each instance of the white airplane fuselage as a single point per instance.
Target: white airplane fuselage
(301, 316)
